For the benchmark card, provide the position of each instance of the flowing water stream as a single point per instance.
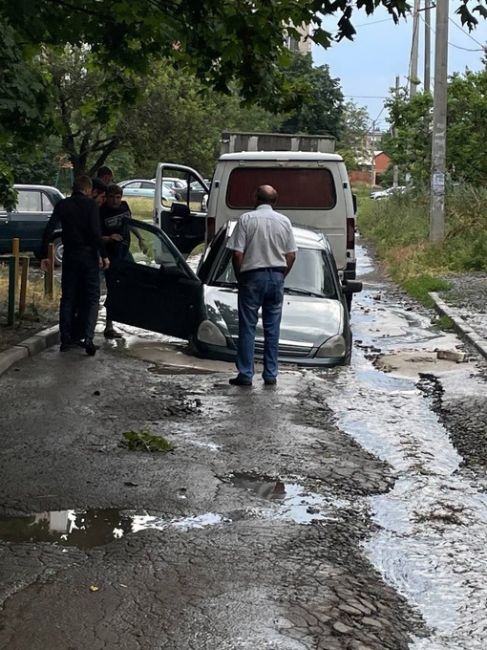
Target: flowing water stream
(431, 544)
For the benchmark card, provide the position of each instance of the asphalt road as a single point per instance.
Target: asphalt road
(334, 511)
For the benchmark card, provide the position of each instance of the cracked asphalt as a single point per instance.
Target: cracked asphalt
(285, 518)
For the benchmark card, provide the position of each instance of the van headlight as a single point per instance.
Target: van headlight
(333, 347)
(210, 334)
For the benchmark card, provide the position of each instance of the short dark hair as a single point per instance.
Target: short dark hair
(99, 185)
(82, 184)
(113, 189)
(103, 171)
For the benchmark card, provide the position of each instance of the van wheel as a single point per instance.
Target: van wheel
(58, 251)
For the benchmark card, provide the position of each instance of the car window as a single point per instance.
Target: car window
(29, 201)
(154, 251)
(311, 272)
(133, 186)
(47, 205)
(147, 185)
(297, 187)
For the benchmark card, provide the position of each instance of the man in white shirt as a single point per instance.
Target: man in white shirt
(264, 251)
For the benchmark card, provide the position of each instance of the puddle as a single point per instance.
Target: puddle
(292, 501)
(89, 528)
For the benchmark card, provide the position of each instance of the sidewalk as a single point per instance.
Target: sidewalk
(466, 304)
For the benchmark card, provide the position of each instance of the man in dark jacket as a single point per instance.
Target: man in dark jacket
(83, 255)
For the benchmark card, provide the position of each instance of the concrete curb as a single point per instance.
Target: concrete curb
(461, 325)
(29, 347)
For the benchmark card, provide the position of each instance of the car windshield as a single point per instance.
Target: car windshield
(310, 275)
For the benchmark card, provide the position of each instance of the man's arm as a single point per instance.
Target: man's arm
(290, 259)
(95, 225)
(48, 232)
(237, 259)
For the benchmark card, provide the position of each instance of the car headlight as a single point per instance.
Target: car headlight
(209, 333)
(333, 347)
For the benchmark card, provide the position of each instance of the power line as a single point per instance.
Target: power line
(466, 33)
(458, 47)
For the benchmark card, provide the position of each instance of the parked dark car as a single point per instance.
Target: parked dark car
(28, 220)
(160, 292)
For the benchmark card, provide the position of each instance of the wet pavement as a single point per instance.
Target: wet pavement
(345, 508)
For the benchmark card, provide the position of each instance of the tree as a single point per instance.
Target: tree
(352, 144)
(410, 147)
(322, 110)
(88, 102)
(181, 120)
(222, 41)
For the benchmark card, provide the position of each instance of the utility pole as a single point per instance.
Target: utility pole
(427, 46)
(395, 169)
(438, 150)
(413, 72)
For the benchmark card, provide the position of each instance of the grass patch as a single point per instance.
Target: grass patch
(399, 226)
(145, 441)
(444, 323)
(420, 286)
(38, 307)
(141, 208)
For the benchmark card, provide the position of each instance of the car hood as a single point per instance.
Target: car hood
(306, 320)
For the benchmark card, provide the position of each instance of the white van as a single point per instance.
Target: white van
(313, 190)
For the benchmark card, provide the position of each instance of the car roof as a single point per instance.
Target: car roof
(304, 236)
(25, 186)
(281, 155)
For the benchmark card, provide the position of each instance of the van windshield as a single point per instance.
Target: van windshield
(297, 187)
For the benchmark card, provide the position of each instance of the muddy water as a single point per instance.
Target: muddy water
(431, 544)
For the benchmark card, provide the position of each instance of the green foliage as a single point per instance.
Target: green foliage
(444, 323)
(314, 99)
(420, 286)
(145, 441)
(352, 141)
(180, 120)
(410, 148)
(399, 227)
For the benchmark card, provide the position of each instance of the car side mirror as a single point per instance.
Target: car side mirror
(351, 286)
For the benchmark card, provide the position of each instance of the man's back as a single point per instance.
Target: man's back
(79, 221)
(264, 236)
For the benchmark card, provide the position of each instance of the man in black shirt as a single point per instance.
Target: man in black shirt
(83, 255)
(115, 214)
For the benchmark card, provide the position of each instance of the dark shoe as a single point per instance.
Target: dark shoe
(112, 334)
(270, 381)
(90, 347)
(240, 381)
(65, 345)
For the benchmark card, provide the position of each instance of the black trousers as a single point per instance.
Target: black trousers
(80, 293)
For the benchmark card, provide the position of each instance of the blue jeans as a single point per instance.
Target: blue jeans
(260, 288)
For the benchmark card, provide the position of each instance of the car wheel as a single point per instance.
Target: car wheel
(58, 251)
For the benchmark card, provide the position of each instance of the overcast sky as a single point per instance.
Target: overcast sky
(367, 66)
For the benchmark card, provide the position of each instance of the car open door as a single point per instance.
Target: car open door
(152, 286)
(180, 205)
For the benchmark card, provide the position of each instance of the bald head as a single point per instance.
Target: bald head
(265, 194)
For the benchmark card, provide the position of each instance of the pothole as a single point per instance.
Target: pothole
(291, 500)
(89, 528)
